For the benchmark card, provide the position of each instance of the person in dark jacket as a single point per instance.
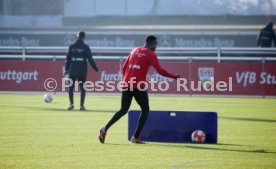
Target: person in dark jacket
(76, 67)
(267, 36)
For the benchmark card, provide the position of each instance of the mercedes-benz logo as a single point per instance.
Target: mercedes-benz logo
(68, 39)
(165, 41)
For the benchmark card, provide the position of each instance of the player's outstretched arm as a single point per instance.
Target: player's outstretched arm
(155, 63)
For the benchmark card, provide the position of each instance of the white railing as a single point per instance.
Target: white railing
(119, 53)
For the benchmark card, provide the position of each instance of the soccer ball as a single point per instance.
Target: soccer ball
(198, 136)
(48, 98)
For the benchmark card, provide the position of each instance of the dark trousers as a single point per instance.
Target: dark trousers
(81, 80)
(141, 98)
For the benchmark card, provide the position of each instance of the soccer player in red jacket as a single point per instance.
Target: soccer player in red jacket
(135, 70)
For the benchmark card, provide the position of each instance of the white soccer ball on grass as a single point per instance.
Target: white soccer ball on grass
(48, 98)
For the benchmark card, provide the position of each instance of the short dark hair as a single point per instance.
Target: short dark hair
(81, 35)
(270, 24)
(150, 39)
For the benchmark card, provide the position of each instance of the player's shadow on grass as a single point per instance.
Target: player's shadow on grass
(249, 119)
(54, 109)
(77, 110)
(233, 150)
(217, 148)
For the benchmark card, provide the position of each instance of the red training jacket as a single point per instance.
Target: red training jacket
(138, 63)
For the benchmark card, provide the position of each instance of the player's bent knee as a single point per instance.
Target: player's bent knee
(146, 109)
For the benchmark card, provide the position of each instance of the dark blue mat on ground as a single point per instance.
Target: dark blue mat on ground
(174, 126)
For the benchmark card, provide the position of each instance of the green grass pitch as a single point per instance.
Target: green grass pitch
(38, 135)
